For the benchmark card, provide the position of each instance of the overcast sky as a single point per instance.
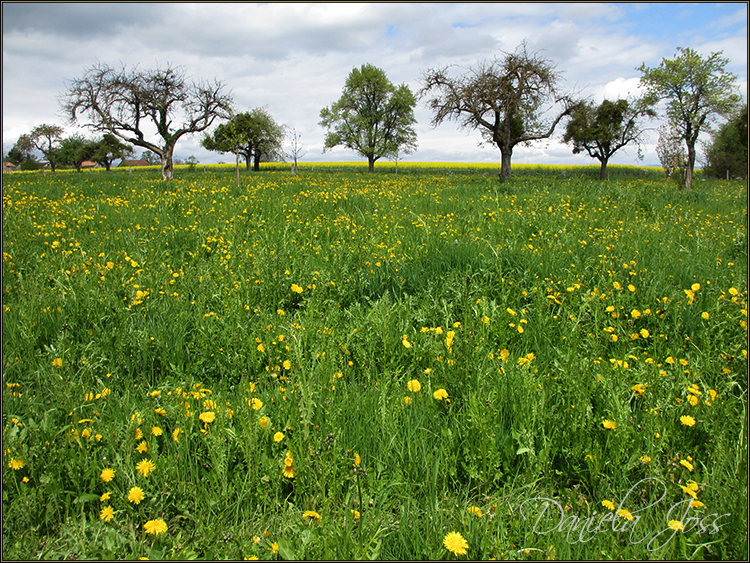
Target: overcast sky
(294, 58)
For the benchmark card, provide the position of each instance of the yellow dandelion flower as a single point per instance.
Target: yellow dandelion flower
(616, 285)
(57, 362)
(260, 348)
(645, 333)
(274, 549)
(440, 394)
(278, 437)
(107, 475)
(695, 286)
(355, 514)
(357, 459)
(689, 491)
(288, 470)
(156, 431)
(693, 400)
(296, 289)
(414, 386)
(687, 465)
(635, 313)
(311, 514)
(609, 424)
(631, 288)
(639, 388)
(645, 458)
(455, 543)
(687, 420)
(407, 400)
(176, 434)
(608, 504)
(135, 495)
(263, 421)
(207, 417)
(676, 525)
(697, 504)
(142, 448)
(155, 527)
(16, 464)
(475, 510)
(286, 364)
(138, 434)
(625, 514)
(145, 467)
(107, 513)
(256, 404)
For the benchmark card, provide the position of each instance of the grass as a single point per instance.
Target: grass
(572, 325)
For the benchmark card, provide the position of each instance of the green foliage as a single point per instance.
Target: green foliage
(697, 90)
(74, 150)
(373, 116)
(727, 152)
(604, 130)
(299, 311)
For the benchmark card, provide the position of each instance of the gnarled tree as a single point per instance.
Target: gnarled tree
(503, 98)
(46, 139)
(602, 131)
(125, 102)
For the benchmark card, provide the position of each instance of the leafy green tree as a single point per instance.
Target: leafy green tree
(502, 98)
(46, 139)
(602, 131)
(254, 135)
(74, 150)
(697, 90)
(108, 149)
(21, 151)
(373, 116)
(122, 102)
(726, 154)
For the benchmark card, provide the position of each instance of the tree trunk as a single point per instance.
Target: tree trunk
(167, 168)
(690, 166)
(505, 156)
(370, 164)
(237, 167)
(256, 161)
(603, 170)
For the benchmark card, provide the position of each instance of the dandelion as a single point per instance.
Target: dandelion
(274, 549)
(105, 496)
(355, 514)
(705, 315)
(57, 362)
(138, 434)
(635, 313)
(357, 459)
(639, 388)
(631, 288)
(142, 448)
(107, 475)
(475, 510)
(440, 394)
(608, 504)
(414, 386)
(155, 527)
(616, 285)
(135, 495)
(687, 465)
(260, 348)
(160, 411)
(645, 333)
(207, 417)
(693, 400)
(145, 467)
(695, 286)
(625, 514)
(455, 543)
(689, 491)
(256, 404)
(687, 420)
(16, 464)
(296, 289)
(176, 434)
(311, 514)
(697, 504)
(609, 424)
(155, 393)
(676, 525)
(407, 400)
(286, 364)
(156, 431)
(645, 458)
(107, 513)
(288, 470)
(263, 421)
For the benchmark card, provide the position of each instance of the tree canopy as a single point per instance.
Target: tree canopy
(123, 102)
(254, 135)
(697, 91)
(46, 139)
(503, 98)
(108, 149)
(726, 154)
(373, 116)
(602, 131)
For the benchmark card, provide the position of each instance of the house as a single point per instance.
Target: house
(89, 164)
(126, 163)
(10, 167)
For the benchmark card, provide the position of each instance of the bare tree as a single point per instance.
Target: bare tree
(296, 153)
(123, 102)
(503, 98)
(671, 153)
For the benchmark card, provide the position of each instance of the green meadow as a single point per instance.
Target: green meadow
(340, 365)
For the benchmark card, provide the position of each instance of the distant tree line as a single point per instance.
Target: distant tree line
(505, 98)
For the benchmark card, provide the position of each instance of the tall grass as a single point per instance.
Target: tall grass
(572, 326)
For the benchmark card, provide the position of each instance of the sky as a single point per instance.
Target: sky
(294, 58)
